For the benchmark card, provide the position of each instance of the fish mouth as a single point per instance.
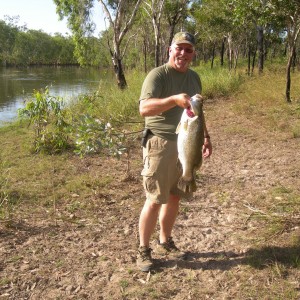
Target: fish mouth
(190, 113)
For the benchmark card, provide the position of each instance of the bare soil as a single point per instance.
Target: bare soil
(239, 245)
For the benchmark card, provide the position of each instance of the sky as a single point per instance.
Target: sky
(41, 14)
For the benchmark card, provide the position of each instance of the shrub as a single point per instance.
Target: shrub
(47, 116)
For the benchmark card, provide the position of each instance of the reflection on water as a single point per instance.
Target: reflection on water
(17, 85)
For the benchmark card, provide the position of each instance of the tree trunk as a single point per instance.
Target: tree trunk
(288, 74)
(294, 61)
(171, 35)
(145, 56)
(222, 51)
(293, 33)
(119, 73)
(260, 47)
(236, 56)
(288, 80)
(156, 27)
(249, 60)
(253, 60)
(154, 10)
(157, 52)
(213, 56)
(230, 51)
(118, 34)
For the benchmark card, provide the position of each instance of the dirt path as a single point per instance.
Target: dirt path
(232, 255)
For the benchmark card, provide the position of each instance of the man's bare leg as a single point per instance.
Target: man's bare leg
(147, 222)
(167, 218)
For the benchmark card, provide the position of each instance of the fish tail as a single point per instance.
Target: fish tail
(187, 186)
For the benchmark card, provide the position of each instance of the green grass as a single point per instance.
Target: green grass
(262, 98)
(219, 82)
(112, 104)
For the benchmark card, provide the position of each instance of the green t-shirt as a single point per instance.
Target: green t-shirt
(162, 82)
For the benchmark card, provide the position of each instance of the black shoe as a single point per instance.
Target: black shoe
(169, 249)
(144, 260)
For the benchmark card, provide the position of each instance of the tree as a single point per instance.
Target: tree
(144, 41)
(124, 18)
(213, 22)
(37, 47)
(255, 11)
(22, 50)
(154, 9)
(78, 14)
(79, 22)
(175, 11)
(288, 11)
(8, 35)
(64, 50)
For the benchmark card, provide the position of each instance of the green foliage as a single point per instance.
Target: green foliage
(47, 116)
(53, 134)
(78, 15)
(20, 46)
(220, 26)
(95, 136)
(7, 38)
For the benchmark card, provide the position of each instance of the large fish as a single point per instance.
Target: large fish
(190, 141)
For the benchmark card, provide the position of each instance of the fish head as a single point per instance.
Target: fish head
(196, 104)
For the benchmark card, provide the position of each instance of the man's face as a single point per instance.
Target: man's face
(180, 56)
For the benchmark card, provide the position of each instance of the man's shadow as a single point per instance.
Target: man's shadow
(256, 258)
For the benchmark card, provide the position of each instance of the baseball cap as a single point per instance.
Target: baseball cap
(183, 38)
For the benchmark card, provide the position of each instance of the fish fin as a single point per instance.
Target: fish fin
(178, 128)
(186, 125)
(187, 186)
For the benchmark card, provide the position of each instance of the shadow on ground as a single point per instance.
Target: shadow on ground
(256, 258)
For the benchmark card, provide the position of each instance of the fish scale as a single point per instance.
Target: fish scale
(189, 144)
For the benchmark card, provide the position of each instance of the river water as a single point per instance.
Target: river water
(17, 85)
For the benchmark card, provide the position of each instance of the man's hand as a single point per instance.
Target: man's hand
(183, 100)
(207, 148)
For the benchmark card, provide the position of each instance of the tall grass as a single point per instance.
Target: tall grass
(218, 82)
(121, 106)
(112, 104)
(263, 97)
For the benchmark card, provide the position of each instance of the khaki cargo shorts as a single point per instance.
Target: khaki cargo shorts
(161, 169)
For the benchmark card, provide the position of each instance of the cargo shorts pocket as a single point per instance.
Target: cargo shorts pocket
(149, 180)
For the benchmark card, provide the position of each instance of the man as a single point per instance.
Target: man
(166, 91)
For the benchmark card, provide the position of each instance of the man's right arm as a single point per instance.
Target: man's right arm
(155, 106)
